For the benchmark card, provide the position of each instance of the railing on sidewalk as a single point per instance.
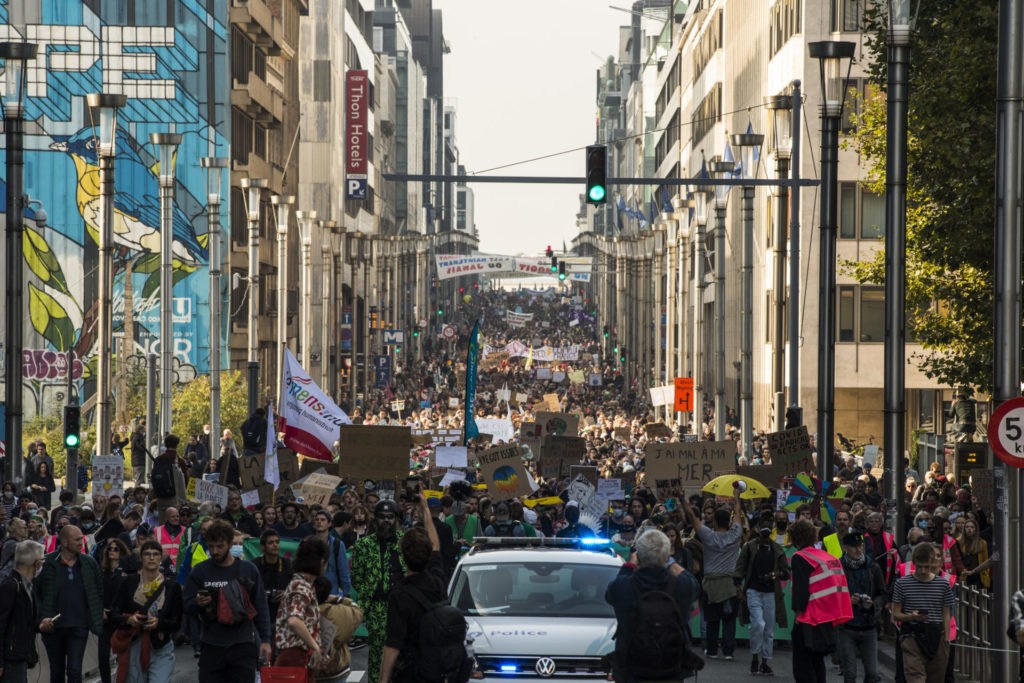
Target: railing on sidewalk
(973, 617)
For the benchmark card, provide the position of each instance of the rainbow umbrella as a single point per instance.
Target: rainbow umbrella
(823, 498)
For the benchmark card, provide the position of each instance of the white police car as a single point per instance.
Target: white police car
(536, 607)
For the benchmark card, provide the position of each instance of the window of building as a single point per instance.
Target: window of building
(706, 115)
(241, 136)
(708, 45)
(858, 91)
(845, 313)
(845, 15)
(861, 213)
(926, 410)
(786, 18)
(872, 314)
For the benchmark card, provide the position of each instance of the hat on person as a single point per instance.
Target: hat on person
(529, 516)
(433, 502)
(385, 506)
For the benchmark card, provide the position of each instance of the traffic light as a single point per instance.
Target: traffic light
(549, 252)
(622, 355)
(462, 290)
(415, 333)
(561, 270)
(605, 331)
(72, 426)
(554, 264)
(597, 173)
(440, 311)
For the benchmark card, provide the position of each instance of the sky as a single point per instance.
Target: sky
(522, 74)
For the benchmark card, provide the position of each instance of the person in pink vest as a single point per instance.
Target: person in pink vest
(881, 545)
(169, 534)
(923, 603)
(821, 602)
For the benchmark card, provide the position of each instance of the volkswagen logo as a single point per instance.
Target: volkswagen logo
(545, 667)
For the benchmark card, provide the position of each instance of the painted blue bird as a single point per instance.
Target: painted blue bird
(136, 198)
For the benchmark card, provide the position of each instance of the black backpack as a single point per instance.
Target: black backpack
(441, 655)
(658, 646)
(162, 478)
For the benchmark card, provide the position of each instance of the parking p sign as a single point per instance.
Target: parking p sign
(1006, 432)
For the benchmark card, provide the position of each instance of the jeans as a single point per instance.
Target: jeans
(65, 648)
(161, 664)
(228, 664)
(15, 672)
(762, 622)
(862, 645)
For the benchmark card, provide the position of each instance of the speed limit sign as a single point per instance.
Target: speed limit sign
(448, 332)
(1006, 432)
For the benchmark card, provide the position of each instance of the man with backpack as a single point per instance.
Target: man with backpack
(254, 433)
(425, 641)
(652, 597)
(227, 595)
(167, 479)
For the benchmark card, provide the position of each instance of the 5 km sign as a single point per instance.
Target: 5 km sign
(1006, 432)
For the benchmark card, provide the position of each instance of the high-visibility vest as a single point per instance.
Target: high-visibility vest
(829, 600)
(52, 544)
(907, 568)
(890, 559)
(947, 559)
(832, 545)
(169, 543)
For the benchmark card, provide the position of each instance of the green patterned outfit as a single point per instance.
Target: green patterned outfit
(372, 579)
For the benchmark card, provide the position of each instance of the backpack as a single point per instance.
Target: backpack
(254, 432)
(162, 478)
(441, 655)
(658, 643)
(233, 602)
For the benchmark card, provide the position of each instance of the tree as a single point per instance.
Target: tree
(950, 183)
(190, 406)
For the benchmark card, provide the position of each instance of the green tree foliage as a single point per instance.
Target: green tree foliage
(190, 405)
(950, 182)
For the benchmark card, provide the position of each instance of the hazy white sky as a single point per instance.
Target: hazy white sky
(522, 74)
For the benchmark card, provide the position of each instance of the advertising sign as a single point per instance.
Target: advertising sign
(357, 93)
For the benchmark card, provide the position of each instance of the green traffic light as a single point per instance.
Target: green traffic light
(72, 441)
(416, 333)
(440, 311)
(597, 193)
(616, 349)
(561, 276)
(605, 335)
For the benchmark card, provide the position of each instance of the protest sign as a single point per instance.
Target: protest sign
(451, 456)
(502, 469)
(870, 455)
(521, 397)
(453, 402)
(552, 402)
(583, 489)
(610, 489)
(558, 376)
(559, 453)
(577, 376)
(452, 476)
(108, 475)
(558, 424)
(549, 500)
(621, 433)
(595, 379)
(250, 498)
(215, 493)
(310, 465)
(373, 452)
(500, 429)
(190, 489)
(251, 469)
(288, 463)
(317, 488)
(656, 430)
(675, 468)
(790, 452)
(543, 373)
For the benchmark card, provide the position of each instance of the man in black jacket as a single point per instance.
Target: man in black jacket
(18, 614)
(858, 638)
(138, 445)
(254, 433)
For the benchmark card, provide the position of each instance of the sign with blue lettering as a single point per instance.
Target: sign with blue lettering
(394, 337)
(382, 371)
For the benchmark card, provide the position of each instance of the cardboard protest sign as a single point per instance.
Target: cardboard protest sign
(500, 429)
(558, 424)
(452, 476)
(621, 433)
(310, 465)
(288, 463)
(583, 489)
(190, 489)
(451, 456)
(675, 468)
(657, 430)
(559, 453)
(552, 402)
(502, 469)
(251, 469)
(250, 498)
(108, 475)
(611, 489)
(207, 490)
(317, 488)
(266, 493)
(521, 397)
(790, 451)
(373, 452)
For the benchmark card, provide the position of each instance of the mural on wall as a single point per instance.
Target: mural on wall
(171, 63)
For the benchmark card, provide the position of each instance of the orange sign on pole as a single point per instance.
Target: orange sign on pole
(683, 394)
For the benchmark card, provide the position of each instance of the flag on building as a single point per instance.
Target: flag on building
(310, 421)
(472, 357)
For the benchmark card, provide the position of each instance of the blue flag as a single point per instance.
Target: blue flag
(472, 358)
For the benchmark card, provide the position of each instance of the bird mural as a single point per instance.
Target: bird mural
(136, 222)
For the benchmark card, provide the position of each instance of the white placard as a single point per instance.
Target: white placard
(610, 489)
(595, 379)
(207, 490)
(452, 456)
(870, 455)
(108, 475)
(500, 429)
(521, 397)
(663, 396)
(250, 498)
(543, 373)
(453, 402)
(451, 476)
(558, 376)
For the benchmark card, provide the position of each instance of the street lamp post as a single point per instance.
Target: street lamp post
(749, 144)
(326, 269)
(701, 197)
(107, 106)
(721, 170)
(282, 210)
(306, 220)
(780, 142)
(254, 188)
(15, 56)
(214, 171)
(166, 145)
(831, 56)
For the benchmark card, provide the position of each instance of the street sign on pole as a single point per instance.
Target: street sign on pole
(683, 394)
(394, 337)
(1006, 432)
(382, 371)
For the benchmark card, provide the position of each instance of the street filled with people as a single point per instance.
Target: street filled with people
(159, 575)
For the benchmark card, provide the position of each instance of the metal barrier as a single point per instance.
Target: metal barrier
(973, 619)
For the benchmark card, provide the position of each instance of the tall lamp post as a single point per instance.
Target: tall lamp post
(894, 375)
(721, 170)
(15, 56)
(750, 145)
(254, 189)
(832, 55)
(306, 220)
(108, 106)
(326, 268)
(701, 197)
(282, 209)
(780, 143)
(214, 171)
(166, 145)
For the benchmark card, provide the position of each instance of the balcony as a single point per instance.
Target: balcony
(255, 19)
(257, 99)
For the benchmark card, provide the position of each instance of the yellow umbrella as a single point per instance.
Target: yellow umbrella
(723, 486)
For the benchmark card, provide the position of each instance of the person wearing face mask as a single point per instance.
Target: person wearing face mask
(611, 523)
(780, 532)
(760, 571)
(573, 528)
(463, 521)
(503, 524)
(8, 500)
(377, 567)
(857, 639)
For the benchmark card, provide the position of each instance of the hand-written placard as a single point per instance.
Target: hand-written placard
(451, 456)
(251, 469)
(790, 452)
(559, 453)
(317, 488)
(250, 498)
(288, 464)
(373, 452)
(502, 469)
(610, 489)
(674, 468)
(500, 429)
(561, 424)
(207, 490)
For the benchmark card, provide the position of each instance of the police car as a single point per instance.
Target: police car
(536, 608)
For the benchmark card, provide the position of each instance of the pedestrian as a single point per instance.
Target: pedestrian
(42, 485)
(1016, 629)
(923, 604)
(342, 616)
(377, 567)
(169, 534)
(858, 638)
(238, 516)
(761, 569)
(149, 606)
(69, 585)
(254, 433)
(231, 650)
(275, 570)
(337, 565)
(17, 531)
(18, 624)
(114, 553)
(719, 602)
(297, 626)
(652, 576)
(819, 611)
(139, 452)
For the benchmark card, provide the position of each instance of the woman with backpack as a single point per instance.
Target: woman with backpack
(297, 627)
